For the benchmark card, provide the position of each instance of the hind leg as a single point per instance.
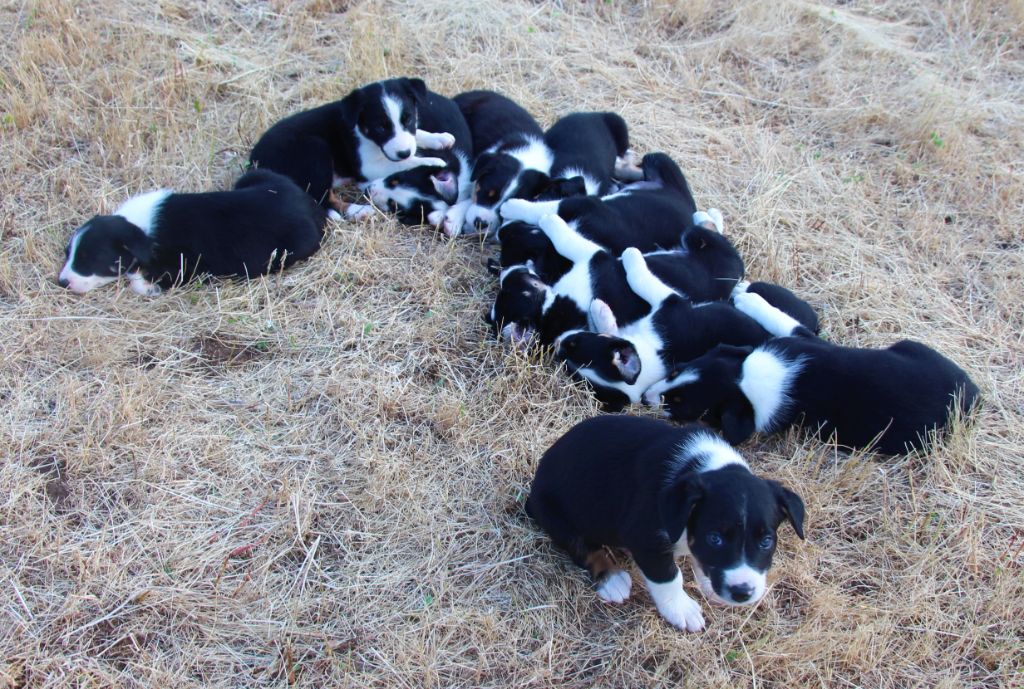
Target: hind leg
(611, 583)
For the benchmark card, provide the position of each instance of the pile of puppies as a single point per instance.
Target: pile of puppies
(609, 263)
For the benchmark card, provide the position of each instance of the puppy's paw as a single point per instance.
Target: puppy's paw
(333, 214)
(682, 612)
(143, 287)
(358, 211)
(633, 260)
(717, 219)
(444, 140)
(435, 218)
(614, 587)
(516, 209)
(452, 225)
(740, 288)
(433, 162)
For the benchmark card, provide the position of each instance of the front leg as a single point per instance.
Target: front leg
(142, 286)
(775, 321)
(434, 141)
(665, 584)
(455, 218)
(567, 241)
(529, 212)
(642, 281)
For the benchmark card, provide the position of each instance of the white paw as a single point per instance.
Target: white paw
(633, 260)
(683, 613)
(333, 214)
(143, 287)
(444, 140)
(740, 288)
(516, 209)
(745, 301)
(357, 211)
(433, 162)
(614, 588)
(717, 219)
(434, 218)
(452, 226)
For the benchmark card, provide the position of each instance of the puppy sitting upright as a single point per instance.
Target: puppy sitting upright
(371, 133)
(660, 491)
(161, 238)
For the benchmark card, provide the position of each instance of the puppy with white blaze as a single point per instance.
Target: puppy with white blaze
(161, 238)
(372, 132)
(661, 491)
(886, 400)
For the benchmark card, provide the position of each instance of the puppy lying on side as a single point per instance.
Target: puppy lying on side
(886, 400)
(162, 238)
(370, 133)
(620, 364)
(660, 491)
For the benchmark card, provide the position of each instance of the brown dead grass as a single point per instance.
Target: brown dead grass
(314, 479)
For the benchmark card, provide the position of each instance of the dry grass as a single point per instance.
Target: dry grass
(314, 478)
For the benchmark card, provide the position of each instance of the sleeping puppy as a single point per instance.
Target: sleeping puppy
(161, 238)
(527, 305)
(426, 194)
(648, 215)
(660, 491)
(511, 159)
(591, 146)
(371, 133)
(884, 400)
(622, 363)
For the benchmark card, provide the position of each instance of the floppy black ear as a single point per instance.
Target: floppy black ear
(351, 106)
(532, 183)
(138, 244)
(734, 350)
(417, 88)
(677, 501)
(479, 164)
(791, 505)
(737, 420)
(627, 361)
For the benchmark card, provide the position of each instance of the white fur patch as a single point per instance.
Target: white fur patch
(615, 587)
(775, 321)
(435, 141)
(642, 281)
(652, 395)
(141, 210)
(380, 194)
(766, 380)
(526, 211)
(455, 217)
(142, 286)
(402, 140)
(80, 284)
(744, 575)
(534, 155)
(675, 606)
(592, 185)
(705, 452)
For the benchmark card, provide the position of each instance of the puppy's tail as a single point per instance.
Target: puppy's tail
(619, 131)
(660, 168)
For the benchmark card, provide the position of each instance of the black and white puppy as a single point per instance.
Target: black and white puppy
(372, 132)
(591, 146)
(426, 194)
(510, 157)
(886, 400)
(161, 238)
(527, 306)
(648, 215)
(661, 491)
(622, 363)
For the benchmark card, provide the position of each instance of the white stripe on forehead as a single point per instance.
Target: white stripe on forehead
(393, 107)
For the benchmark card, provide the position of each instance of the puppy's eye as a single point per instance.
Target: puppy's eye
(766, 542)
(492, 193)
(392, 183)
(714, 539)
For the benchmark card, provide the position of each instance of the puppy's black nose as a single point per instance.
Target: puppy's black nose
(404, 154)
(63, 282)
(741, 593)
(480, 224)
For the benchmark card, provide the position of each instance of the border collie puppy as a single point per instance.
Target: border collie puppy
(161, 238)
(885, 400)
(425, 194)
(510, 157)
(621, 364)
(370, 133)
(526, 305)
(661, 491)
(588, 145)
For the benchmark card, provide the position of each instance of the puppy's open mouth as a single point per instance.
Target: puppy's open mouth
(519, 335)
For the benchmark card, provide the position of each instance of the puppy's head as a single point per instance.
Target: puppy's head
(517, 309)
(730, 518)
(718, 255)
(494, 179)
(599, 357)
(387, 114)
(101, 250)
(419, 186)
(707, 388)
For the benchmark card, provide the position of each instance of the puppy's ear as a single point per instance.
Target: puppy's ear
(136, 243)
(737, 351)
(482, 161)
(531, 184)
(602, 319)
(737, 420)
(791, 506)
(445, 185)
(417, 88)
(352, 106)
(627, 361)
(677, 501)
